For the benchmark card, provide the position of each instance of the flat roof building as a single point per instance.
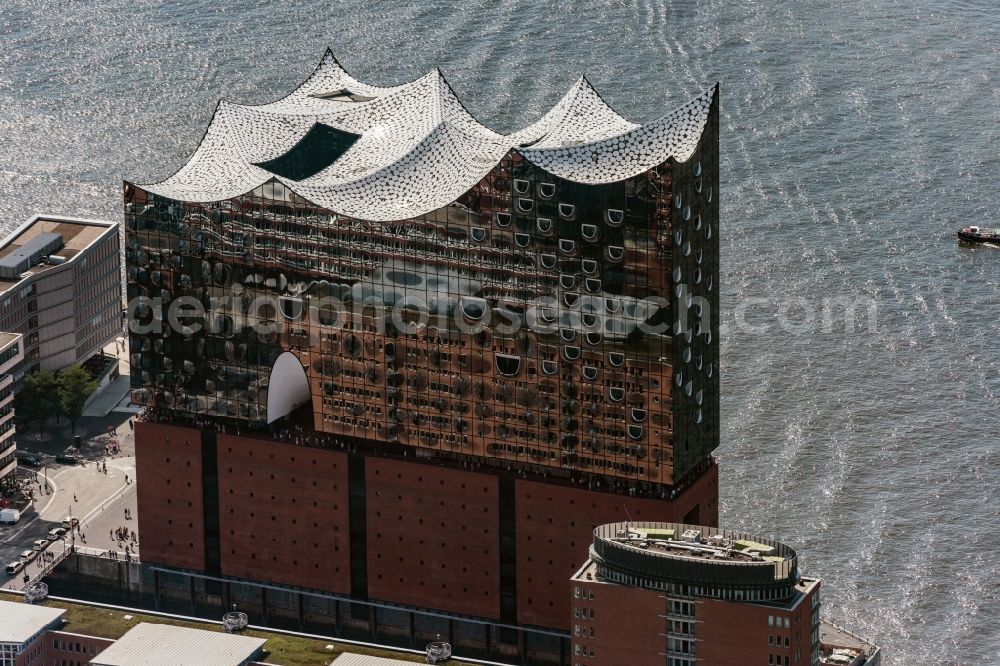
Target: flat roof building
(656, 593)
(163, 645)
(60, 287)
(20, 627)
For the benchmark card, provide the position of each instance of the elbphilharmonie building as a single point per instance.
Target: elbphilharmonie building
(397, 365)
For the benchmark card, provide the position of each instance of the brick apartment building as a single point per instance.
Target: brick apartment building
(669, 594)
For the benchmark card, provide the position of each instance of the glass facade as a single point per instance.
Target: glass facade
(534, 320)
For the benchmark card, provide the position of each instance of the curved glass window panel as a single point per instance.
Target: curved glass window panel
(547, 260)
(708, 195)
(696, 169)
(615, 253)
(567, 334)
(567, 281)
(677, 274)
(615, 217)
(502, 219)
(590, 232)
(679, 379)
(547, 315)
(638, 415)
(687, 248)
(521, 186)
(616, 359)
(708, 231)
(484, 338)
(697, 275)
(522, 240)
(678, 237)
(571, 353)
(291, 308)
(567, 211)
(525, 205)
(474, 308)
(616, 394)
(567, 246)
(478, 234)
(678, 201)
(590, 373)
(571, 299)
(612, 305)
(544, 225)
(635, 431)
(589, 266)
(508, 365)
(593, 339)
(546, 190)
(550, 367)
(698, 184)
(593, 285)
(686, 214)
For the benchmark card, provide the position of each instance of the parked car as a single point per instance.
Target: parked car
(28, 556)
(56, 533)
(67, 459)
(70, 523)
(9, 516)
(41, 544)
(14, 567)
(29, 459)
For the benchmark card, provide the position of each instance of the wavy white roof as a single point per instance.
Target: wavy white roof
(418, 148)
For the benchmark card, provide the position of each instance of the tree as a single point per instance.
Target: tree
(75, 386)
(39, 399)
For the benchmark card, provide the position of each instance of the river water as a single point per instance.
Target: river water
(857, 136)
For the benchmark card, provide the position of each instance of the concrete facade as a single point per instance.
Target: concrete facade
(68, 306)
(11, 354)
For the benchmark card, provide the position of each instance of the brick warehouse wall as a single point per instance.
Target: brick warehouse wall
(731, 633)
(171, 515)
(283, 514)
(61, 647)
(621, 625)
(555, 526)
(433, 537)
(433, 534)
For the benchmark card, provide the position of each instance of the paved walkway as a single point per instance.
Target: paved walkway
(84, 491)
(118, 391)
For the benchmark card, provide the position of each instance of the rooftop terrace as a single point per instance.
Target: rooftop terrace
(720, 563)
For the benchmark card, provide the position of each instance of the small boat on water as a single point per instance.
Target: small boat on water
(979, 235)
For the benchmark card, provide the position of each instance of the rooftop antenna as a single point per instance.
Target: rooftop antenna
(628, 519)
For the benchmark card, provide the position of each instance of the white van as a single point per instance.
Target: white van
(9, 516)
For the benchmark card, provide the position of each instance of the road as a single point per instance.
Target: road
(97, 498)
